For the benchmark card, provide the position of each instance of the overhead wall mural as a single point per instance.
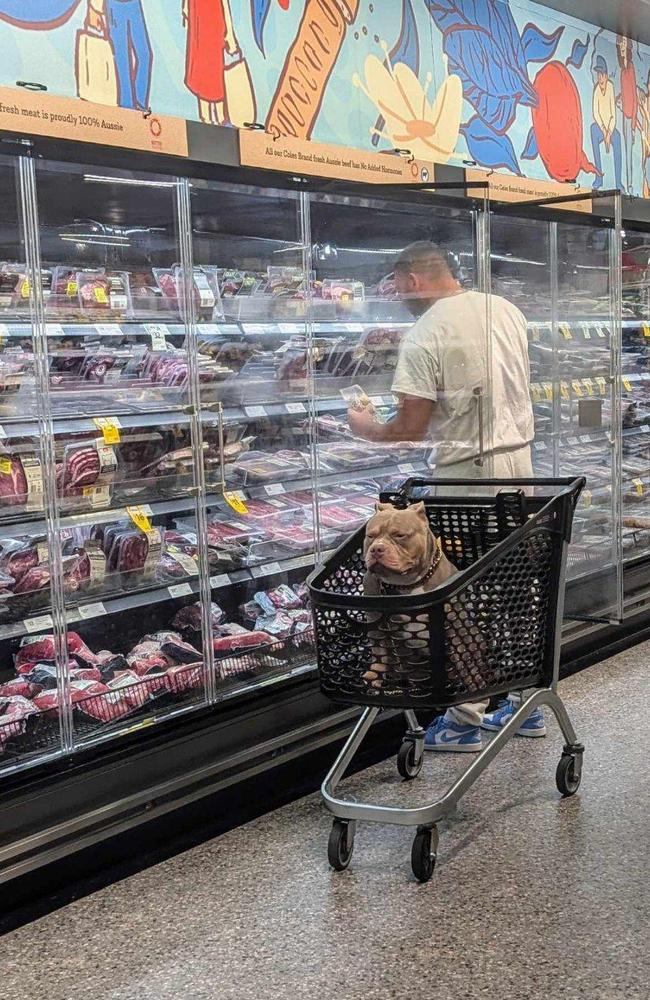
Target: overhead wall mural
(506, 85)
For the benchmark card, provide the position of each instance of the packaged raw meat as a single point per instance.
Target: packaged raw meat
(43, 675)
(14, 712)
(189, 617)
(108, 707)
(19, 686)
(224, 645)
(104, 293)
(278, 625)
(284, 597)
(184, 678)
(34, 649)
(143, 665)
(86, 674)
(78, 648)
(17, 557)
(178, 651)
(13, 482)
(131, 687)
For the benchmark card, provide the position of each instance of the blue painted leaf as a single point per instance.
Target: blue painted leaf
(406, 50)
(259, 14)
(531, 151)
(488, 147)
(484, 48)
(37, 14)
(578, 53)
(537, 46)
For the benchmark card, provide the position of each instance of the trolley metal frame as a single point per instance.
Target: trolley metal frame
(426, 817)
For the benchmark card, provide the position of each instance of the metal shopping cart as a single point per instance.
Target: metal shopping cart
(491, 629)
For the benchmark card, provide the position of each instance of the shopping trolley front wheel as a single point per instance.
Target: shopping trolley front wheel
(341, 844)
(423, 852)
(409, 760)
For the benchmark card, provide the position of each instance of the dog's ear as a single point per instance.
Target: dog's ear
(420, 510)
(383, 506)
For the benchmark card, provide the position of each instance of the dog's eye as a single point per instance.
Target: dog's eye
(402, 537)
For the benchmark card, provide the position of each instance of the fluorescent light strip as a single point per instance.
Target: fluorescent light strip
(99, 179)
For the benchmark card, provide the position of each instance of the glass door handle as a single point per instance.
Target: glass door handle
(478, 394)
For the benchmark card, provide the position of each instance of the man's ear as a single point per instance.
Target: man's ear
(383, 506)
(420, 510)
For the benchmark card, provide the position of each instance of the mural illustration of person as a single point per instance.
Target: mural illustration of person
(644, 126)
(210, 35)
(628, 101)
(603, 129)
(124, 23)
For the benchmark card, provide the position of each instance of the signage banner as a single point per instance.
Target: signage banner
(38, 113)
(521, 189)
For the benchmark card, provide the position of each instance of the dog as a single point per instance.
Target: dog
(402, 556)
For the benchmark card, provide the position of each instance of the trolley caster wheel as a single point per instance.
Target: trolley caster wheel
(423, 853)
(340, 844)
(567, 778)
(409, 764)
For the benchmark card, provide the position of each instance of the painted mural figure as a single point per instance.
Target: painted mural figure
(210, 35)
(127, 30)
(628, 100)
(603, 129)
(644, 126)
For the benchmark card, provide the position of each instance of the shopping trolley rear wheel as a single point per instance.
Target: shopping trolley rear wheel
(341, 844)
(423, 853)
(409, 764)
(566, 777)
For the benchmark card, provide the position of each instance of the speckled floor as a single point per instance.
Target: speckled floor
(533, 897)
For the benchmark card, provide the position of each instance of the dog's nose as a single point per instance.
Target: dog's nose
(377, 549)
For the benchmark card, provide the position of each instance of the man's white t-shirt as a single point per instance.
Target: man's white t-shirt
(445, 356)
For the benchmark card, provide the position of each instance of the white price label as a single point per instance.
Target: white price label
(185, 561)
(3, 432)
(220, 580)
(600, 332)
(254, 411)
(288, 328)
(540, 446)
(572, 440)
(354, 327)
(269, 568)
(586, 332)
(377, 400)
(256, 328)
(296, 408)
(274, 489)
(158, 332)
(644, 429)
(406, 467)
(108, 329)
(92, 610)
(180, 590)
(54, 330)
(38, 624)
(585, 439)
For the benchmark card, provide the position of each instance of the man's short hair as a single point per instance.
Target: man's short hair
(423, 257)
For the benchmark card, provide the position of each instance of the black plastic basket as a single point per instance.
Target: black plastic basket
(490, 629)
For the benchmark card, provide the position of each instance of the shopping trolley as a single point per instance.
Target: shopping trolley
(493, 628)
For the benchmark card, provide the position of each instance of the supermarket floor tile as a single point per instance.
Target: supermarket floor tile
(532, 897)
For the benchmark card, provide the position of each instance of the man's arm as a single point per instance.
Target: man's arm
(411, 422)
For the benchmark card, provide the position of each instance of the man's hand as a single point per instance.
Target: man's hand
(363, 424)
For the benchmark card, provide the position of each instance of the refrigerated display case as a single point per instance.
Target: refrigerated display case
(178, 355)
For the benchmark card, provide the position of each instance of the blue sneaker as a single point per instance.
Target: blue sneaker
(533, 726)
(443, 734)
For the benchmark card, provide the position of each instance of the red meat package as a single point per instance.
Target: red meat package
(14, 712)
(185, 677)
(105, 707)
(19, 686)
(226, 644)
(131, 687)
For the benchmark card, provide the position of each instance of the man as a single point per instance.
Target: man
(603, 129)
(467, 393)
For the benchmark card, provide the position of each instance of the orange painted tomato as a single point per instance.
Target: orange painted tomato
(557, 123)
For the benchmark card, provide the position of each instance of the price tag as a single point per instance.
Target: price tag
(268, 569)
(587, 498)
(602, 384)
(140, 517)
(158, 333)
(534, 332)
(236, 502)
(4, 333)
(601, 333)
(108, 329)
(179, 590)
(540, 445)
(586, 332)
(354, 327)
(42, 551)
(54, 330)
(5, 466)
(92, 610)
(406, 467)
(564, 390)
(254, 411)
(565, 331)
(548, 390)
(535, 393)
(220, 580)
(627, 383)
(274, 489)
(638, 486)
(256, 328)
(289, 327)
(589, 386)
(572, 440)
(646, 330)
(188, 563)
(110, 428)
(296, 408)
(576, 385)
(38, 624)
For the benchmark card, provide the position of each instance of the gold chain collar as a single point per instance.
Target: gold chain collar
(435, 562)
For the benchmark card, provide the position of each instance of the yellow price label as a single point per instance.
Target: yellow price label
(577, 387)
(638, 486)
(5, 466)
(534, 333)
(564, 390)
(627, 383)
(602, 384)
(100, 295)
(235, 502)
(548, 390)
(535, 393)
(586, 496)
(24, 289)
(71, 288)
(589, 386)
(139, 518)
(565, 331)
(110, 429)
